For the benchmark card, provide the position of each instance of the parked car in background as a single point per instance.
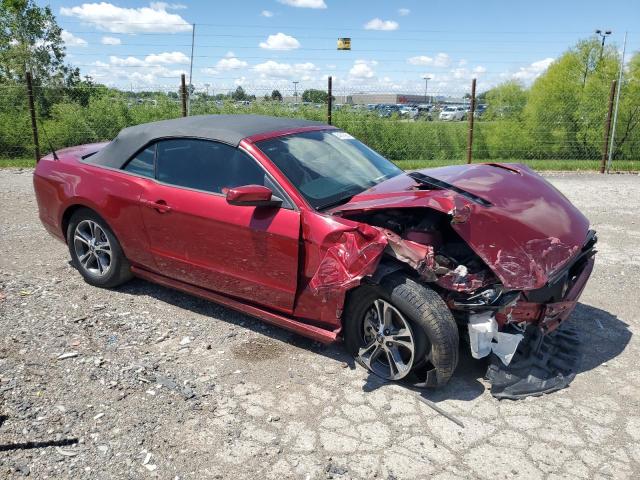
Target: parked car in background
(453, 112)
(425, 111)
(480, 109)
(386, 110)
(408, 111)
(301, 225)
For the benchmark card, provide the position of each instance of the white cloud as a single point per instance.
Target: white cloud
(280, 41)
(71, 40)
(230, 63)
(362, 69)
(266, 13)
(164, 58)
(441, 60)
(480, 69)
(110, 41)
(111, 18)
(533, 71)
(229, 54)
(459, 73)
(272, 69)
(420, 60)
(462, 62)
(378, 24)
(126, 62)
(304, 3)
(167, 6)
(403, 12)
(134, 71)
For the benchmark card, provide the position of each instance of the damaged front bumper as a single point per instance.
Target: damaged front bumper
(532, 351)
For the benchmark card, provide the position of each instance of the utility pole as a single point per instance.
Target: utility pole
(615, 113)
(472, 110)
(426, 82)
(603, 34)
(607, 127)
(32, 111)
(183, 95)
(329, 99)
(295, 89)
(193, 38)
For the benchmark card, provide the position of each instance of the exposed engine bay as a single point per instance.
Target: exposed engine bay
(507, 325)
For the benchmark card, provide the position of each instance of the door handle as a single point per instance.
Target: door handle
(159, 205)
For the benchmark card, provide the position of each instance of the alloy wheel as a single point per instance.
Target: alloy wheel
(92, 248)
(389, 345)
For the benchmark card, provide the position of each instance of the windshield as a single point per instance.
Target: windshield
(328, 167)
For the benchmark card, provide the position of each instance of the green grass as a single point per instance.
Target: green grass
(540, 165)
(17, 162)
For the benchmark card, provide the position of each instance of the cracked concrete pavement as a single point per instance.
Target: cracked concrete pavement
(161, 384)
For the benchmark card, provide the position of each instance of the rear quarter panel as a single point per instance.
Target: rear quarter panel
(69, 183)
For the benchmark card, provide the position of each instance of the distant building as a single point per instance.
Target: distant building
(385, 98)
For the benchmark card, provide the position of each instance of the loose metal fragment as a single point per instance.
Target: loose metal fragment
(445, 414)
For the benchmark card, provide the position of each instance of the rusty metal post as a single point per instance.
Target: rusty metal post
(471, 112)
(183, 94)
(329, 101)
(34, 125)
(607, 127)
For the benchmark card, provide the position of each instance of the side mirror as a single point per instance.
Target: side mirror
(252, 196)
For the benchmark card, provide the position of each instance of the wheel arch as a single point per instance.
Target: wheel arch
(73, 208)
(387, 266)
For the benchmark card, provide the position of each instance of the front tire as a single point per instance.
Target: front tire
(417, 336)
(95, 250)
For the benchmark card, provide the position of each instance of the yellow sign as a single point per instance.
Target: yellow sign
(344, 44)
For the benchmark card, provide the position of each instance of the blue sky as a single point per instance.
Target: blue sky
(269, 44)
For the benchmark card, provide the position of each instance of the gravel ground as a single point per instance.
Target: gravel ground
(147, 382)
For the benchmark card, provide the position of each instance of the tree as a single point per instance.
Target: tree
(240, 95)
(276, 95)
(30, 40)
(627, 136)
(314, 96)
(567, 104)
(507, 100)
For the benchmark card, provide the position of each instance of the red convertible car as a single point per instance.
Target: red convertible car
(301, 225)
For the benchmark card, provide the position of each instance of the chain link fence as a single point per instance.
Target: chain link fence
(412, 128)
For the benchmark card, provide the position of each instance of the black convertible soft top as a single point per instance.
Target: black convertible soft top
(229, 129)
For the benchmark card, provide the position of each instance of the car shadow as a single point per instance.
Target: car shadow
(605, 334)
(228, 315)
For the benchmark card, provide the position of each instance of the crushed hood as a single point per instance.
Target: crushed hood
(521, 226)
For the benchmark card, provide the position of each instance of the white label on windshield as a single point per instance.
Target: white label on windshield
(342, 135)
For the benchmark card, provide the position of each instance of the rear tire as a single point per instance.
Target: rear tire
(95, 250)
(434, 332)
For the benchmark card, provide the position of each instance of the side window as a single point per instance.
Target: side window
(142, 163)
(205, 165)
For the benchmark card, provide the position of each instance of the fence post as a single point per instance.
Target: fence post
(183, 94)
(329, 100)
(607, 127)
(34, 125)
(471, 112)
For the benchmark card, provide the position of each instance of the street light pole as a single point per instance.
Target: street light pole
(295, 89)
(602, 34)
(426, 82)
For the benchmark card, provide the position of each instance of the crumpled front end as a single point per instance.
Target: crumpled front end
(508, 253)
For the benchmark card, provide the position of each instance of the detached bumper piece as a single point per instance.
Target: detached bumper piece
(542, 364)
